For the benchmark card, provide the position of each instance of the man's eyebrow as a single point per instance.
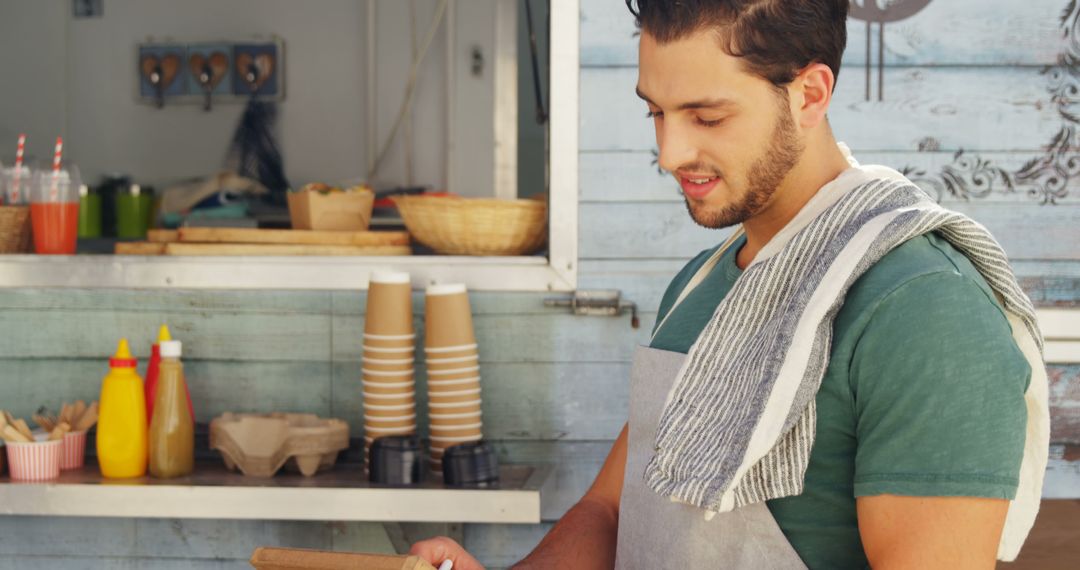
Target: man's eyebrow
(702, 104)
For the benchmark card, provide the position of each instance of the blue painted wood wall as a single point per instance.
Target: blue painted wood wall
(962, 75)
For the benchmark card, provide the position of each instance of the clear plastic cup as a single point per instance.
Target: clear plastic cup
(54, 211)
(16, 185)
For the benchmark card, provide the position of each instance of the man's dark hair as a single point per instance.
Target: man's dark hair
(776, 39)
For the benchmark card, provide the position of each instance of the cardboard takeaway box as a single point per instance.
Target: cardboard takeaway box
(340, 211)
(266, 558)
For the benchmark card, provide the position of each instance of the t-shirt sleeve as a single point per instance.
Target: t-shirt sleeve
(938, 385)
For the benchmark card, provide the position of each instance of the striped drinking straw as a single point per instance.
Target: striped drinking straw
(18, 169)
(54, 191)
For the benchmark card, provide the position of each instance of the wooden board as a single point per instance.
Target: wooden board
(162, 236)
(297, 237)
(226, 249)
(140, 248)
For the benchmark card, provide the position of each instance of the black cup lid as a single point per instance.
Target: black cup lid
(397, 443)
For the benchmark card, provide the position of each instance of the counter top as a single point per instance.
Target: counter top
(340, 494)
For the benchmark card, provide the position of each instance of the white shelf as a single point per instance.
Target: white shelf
(341, 494)
(526, 273)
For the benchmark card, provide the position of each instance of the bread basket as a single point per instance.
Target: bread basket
(453, 225)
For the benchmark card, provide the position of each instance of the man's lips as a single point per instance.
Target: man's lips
(693, 187)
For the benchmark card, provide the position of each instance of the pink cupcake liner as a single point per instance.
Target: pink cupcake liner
(73, 450)
(34, 461)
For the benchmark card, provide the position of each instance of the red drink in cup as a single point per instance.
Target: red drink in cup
(54, 210)
(56, 227)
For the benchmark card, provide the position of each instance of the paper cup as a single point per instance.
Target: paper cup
(38, 461)
(453, 367)
(389, 305)
(457, 417)
(437, 384)
(389, 342)
(443, 434)
(73, 450)
(451, 351)
(387, 364)
(376, 374)
(387, 375)
(373, 422)
(470, 405)
(399, 389)
(397, 410)
(447, 317)
(451, 361)
(445, 442)
(460, 396)
(380, 431)
(454, 373)
(471, 385)
(389, 399)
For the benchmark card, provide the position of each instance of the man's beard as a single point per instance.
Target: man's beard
(763, 177)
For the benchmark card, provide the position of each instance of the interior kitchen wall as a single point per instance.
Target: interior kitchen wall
(77, 78)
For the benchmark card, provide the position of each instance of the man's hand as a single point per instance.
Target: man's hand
(441, 548)
(956, 533)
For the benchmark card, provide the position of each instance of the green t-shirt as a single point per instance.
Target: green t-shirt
(924, 393)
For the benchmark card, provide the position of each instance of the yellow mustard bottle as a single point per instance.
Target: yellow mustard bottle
(172, 431)
(121, 432)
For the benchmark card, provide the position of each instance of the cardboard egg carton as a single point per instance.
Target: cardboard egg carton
(260, 444)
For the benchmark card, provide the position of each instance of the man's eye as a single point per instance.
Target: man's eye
(654, 115)
(706, 123)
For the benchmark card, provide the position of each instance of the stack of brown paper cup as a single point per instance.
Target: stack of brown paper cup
(389, 385)
(453, 370)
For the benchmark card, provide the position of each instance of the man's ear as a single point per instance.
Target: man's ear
(812, 93)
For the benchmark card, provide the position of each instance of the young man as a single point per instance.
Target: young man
(913, 351)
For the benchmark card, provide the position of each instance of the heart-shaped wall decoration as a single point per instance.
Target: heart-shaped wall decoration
(263, 64)
(216, 66)
(168, 67)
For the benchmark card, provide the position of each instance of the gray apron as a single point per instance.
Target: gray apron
(657, 533)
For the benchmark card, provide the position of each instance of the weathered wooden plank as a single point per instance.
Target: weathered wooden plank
(953, 32)
(1064, 403)
(522, 401)
(979, 109)
(632, 176)
(501, 546)
(157, 538)
(50, 562)
(537, 338)
(168, 301)
(216, 386)
(664, 230)
(90, 333)
(1062, 473)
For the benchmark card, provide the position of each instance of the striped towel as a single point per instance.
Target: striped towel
(738, 425)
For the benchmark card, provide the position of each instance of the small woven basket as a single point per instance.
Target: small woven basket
(15, 236)
(475, 226)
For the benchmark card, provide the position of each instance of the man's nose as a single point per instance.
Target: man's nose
(676, 146)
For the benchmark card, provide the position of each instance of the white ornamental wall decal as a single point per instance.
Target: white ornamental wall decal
(1045, 178)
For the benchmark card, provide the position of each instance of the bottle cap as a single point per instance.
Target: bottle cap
(122, 358)
(171, 349)
(163, 334)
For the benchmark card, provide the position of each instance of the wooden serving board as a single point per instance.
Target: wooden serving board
(162, 236)
(139, 248)
(295, 237)
(282, 249)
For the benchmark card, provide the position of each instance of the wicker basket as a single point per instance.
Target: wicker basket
(15, 236)
(472, 226)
